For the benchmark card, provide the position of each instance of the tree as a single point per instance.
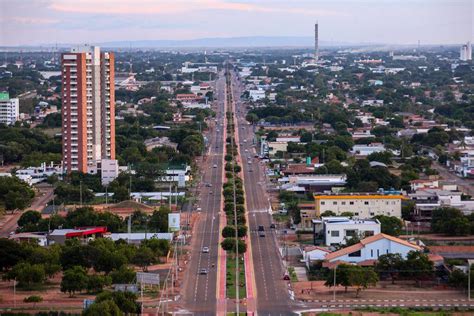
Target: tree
(342, 276)
(11, 253)
(228, 232)
(126, 301)
(390, 263)
(108, 261)
(384, 157)
(352, 240)
(27, 274)
(347, 214)
(29, 217)
(252, 118)
(159, 219)
(33, 299)
(362, 278)
(328, 214)
(418, 266)
(103, 308)
(295, 211)
(242, 231)
(228, 243)
(450, 221)
(74, 280)
(144, 257)
(97, 282)
(14, 193)
(121, 194)
(458, 279)
(390, 225)
(192, 145)
(124, 275)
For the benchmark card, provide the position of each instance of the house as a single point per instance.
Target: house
(256, 95)
(312, 183)
(159, 142)
(34, 175)
(427, 200)
(372, 103)
(423, 184)
(335, 231)
(187, 97)
(362, 205)
(314, 253)
(365, 150)
(369, 249)
(40, 239)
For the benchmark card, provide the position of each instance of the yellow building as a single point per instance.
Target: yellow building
(360, 204)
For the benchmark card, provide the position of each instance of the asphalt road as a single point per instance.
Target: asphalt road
(464, 185)
(199, 295)
(43, 196)
(272, 291)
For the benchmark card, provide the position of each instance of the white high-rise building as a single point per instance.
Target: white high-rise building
(466, 52)
(9, 109)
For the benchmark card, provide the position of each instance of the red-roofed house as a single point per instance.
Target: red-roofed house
(371, 248)
(314, 253)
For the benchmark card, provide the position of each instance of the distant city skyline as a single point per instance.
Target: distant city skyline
(39, 22)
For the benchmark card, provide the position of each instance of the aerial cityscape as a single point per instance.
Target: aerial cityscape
(244, 157)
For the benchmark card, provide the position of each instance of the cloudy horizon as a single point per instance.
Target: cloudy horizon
(35, 22)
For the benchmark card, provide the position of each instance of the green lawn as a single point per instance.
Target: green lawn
(230, 278)
(292, 273)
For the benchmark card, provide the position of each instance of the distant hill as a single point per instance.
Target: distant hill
(248, 41)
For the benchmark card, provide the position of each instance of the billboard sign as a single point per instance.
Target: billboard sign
(148, 278)
(173, 222)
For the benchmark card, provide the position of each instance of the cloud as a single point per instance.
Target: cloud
(148, 7)
(31, 20)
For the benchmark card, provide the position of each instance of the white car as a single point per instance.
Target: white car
(205, 249)
(215, 166)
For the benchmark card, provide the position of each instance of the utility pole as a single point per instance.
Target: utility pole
(130, 188)
(80, 191)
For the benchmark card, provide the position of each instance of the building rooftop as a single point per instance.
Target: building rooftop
(367, 241)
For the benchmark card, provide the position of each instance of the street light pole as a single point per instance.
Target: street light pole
(469, 263)
(334, 288)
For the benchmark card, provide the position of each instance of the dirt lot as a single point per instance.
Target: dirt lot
(53, 298)
(385, 290)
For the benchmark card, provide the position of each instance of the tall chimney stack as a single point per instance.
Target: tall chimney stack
(316, 45)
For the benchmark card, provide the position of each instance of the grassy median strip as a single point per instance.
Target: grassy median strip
(234, 200)
(230, 277)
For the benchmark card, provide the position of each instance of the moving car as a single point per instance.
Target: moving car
(203, 271)
(215, 166)
(205, 249)
(272, 225)
(261, 228)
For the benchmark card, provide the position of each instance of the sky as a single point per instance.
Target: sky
(36, 22)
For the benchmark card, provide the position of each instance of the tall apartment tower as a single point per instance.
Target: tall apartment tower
(466, 52)
(316, 44)
(9, 109)
(88, 108)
